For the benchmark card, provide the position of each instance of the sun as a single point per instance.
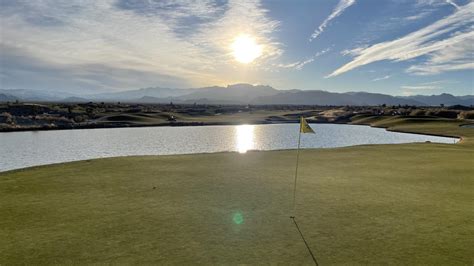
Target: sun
(245, 49)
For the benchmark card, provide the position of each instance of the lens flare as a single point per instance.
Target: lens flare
(238, 218)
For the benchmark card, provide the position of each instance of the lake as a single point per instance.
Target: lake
(23, 149)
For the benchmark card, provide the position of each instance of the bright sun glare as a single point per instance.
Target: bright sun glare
(245, 138)
(245, 49)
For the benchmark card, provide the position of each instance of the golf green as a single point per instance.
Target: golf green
(370, 204)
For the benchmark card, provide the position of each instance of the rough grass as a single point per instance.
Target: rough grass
(435, 126)
(140, 118)
(254, 117)
(372, 204)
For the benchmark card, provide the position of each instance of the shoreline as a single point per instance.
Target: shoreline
(171, 124)
(388, 128)
(202, 124)
(458, 139)
(102, 126)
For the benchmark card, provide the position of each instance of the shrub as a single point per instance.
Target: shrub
(447, 113)
(6, 118)
(79, 118)
(418, 112)
(466, 115)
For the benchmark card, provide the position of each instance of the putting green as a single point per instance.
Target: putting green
(371, 204)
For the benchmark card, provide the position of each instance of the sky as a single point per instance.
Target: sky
(397, 47)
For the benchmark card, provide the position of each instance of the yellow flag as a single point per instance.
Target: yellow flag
(304, 127)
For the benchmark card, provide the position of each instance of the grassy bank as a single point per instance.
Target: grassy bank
(421, 125)
(371, 204)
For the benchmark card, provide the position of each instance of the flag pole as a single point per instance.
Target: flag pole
(296, 171)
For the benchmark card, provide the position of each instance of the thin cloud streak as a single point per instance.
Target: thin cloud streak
(420, 87)
(338, 10)
(382, 78)
(416, 89)
(436, 3)
(298, 65)
(452, 3)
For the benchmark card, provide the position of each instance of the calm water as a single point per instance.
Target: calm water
(22, 149)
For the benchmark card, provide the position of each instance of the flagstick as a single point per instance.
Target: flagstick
(296, 173)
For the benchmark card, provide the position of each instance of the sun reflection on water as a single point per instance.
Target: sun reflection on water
(245, 138)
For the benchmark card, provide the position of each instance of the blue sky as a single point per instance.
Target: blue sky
(398, 47)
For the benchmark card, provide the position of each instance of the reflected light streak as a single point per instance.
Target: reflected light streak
(245, 138)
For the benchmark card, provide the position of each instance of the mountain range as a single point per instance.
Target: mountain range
(238, 94)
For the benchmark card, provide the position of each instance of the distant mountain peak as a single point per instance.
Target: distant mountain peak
(243, 93)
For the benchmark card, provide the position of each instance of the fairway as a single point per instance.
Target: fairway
(226, 132)
(371, 204)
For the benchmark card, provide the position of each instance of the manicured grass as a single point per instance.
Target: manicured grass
(370, 204)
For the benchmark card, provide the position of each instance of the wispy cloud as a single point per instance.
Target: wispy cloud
(418, 16)
(338, 10)
(436, 82)
(420, 87)
(452, 3)
(382, 78)
(417, 89)
(459, 55)
(169, 43)
(298, 65)
(447, 43)
(437, 3)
